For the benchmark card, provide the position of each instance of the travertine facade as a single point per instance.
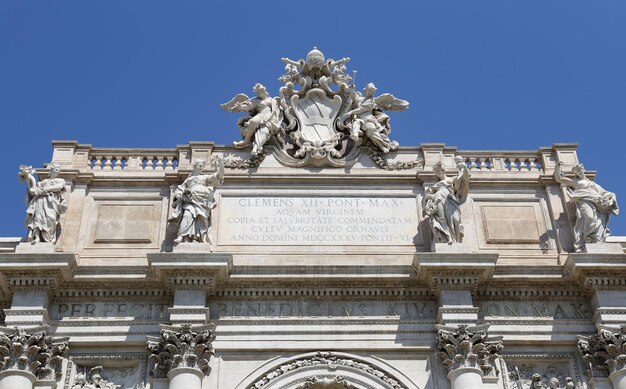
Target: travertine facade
(315, 269)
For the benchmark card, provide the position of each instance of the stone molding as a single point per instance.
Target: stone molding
(181, 347)
(321, 359)
(33, 352)
(605, 351)
(454, 271)
(468, 347)
(337, 382)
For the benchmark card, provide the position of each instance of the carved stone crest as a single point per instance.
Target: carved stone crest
(319, 118)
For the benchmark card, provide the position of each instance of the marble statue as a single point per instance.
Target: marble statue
(45, 204)
(263, 119)
(441, 204)
(367, 118)
(193, 201)
(594, 205)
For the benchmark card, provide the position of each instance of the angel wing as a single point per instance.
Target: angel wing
(387, 102)
(235, 103)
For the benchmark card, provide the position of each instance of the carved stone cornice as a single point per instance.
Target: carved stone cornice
(468, 346)
(190, 270)
(598, 271)
(463, 271)
(34, 352)
(605, 352)
(182, 346)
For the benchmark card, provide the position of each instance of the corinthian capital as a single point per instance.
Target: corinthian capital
(468, 346)
(605, 352)
(35, 352)
(182, 346)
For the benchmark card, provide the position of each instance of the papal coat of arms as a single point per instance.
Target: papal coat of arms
(319, 118)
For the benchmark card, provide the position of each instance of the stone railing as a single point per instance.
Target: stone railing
(133, 159)
(518, 161)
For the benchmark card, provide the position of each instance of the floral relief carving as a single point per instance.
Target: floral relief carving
(325, 359)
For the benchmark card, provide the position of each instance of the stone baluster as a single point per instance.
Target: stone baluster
(605, 354)
(181, 354)
(30, 360)
(468, 353)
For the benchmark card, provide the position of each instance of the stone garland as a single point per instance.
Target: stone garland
(466, 346)
(384, 164)
(325, 359)
(316, 382)
(244, 164)
(605, 352)
(36, 353)
(183, 348)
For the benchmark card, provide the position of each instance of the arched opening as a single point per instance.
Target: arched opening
(326, 370)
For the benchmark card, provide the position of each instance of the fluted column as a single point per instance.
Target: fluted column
(182, 355)
(468, 353)
(605, 354)
(28, 357)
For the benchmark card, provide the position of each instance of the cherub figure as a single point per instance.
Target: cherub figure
(263, 119)
(367, 117)
(594, 205)
(45, 204)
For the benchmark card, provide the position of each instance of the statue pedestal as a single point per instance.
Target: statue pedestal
(192, 247)
(462, 247)
(603, 248)
(35, 248)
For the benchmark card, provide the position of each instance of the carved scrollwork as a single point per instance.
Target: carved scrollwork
(337, 382)
(182, 347)
(604, 352)
(36, 353)
(318, 118)
(466, 346)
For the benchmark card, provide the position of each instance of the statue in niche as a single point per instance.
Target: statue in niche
(193, 201)
(45, 204)
(594, 205)
(367, 118)
(441, 204)
(263, 120)
(94, 381)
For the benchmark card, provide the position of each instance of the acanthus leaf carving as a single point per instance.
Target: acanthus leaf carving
(36, 353)
(182, 346)
(468, 346)
(605, 351)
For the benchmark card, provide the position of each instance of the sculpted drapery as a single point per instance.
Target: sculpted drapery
(441, 204)
(594, 205)
(45, 204)
(193, 201)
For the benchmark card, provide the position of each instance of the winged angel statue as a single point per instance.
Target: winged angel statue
(319, 118)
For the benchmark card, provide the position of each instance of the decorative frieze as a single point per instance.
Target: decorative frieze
(468, 346)
(35, 352)
(530, 376)
(605, 352)
(181, 346)
(93, 380)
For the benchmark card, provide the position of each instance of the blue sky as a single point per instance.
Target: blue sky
(478, 74)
